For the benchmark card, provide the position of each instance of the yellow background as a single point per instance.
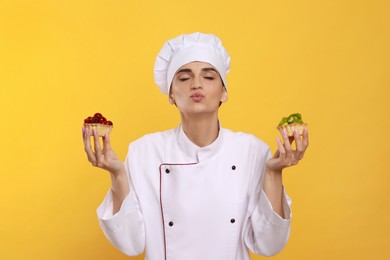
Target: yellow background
(61, 61)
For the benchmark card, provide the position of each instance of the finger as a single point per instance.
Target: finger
(98, 149)
(106, 143)
(305, 138)
(305, 142)
(281, 151)
(84, 130)
(287, 145)
(299, 146)
(277, 154)
(87, 146)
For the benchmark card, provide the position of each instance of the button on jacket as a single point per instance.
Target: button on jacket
(189, 202)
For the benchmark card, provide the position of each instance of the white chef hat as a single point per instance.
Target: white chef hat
(188, 48)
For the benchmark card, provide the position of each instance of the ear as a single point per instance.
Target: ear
(224, 97)
(171, 100)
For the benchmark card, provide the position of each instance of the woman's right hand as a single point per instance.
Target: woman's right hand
(103, 158)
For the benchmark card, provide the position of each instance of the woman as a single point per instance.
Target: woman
(198, 191)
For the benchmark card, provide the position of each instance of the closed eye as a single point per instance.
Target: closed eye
(184, 79)
(209, 78)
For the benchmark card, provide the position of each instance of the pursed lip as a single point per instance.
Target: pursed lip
(197, 95)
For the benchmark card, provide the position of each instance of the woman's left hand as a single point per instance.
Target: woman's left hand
(286, 156)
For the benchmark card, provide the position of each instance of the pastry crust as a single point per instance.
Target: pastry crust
(101, 129)
(291, 127)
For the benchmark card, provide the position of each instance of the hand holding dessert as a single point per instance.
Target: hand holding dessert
(102, 157)
(292, 128)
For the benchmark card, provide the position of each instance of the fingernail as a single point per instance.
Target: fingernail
(296, 132)
(284, 132)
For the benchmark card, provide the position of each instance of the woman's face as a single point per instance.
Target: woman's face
(197, 88)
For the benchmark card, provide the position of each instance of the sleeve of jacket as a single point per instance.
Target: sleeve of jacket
(125, 229)
(267, 233)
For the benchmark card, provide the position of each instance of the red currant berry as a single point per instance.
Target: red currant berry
(88, 120)
(102, 120)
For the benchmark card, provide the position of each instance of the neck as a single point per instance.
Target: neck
(202, 130)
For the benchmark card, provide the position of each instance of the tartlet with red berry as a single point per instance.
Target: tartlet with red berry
(100, 123)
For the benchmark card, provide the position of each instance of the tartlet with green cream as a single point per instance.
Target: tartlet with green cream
(291, 123)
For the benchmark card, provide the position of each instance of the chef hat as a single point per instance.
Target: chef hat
(187, 48)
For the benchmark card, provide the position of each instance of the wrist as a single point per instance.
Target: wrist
(119, 184)
(272, 178)
(118, 174)
(272, 172)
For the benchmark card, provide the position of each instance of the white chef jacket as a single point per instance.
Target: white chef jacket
(189, 203)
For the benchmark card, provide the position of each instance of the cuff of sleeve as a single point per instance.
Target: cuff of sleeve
(271, 216)
(114, 221)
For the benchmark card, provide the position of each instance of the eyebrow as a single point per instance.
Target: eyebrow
(183, 70)
(189, 70)
(210, 69)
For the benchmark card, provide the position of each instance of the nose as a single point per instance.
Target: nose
(196, 84)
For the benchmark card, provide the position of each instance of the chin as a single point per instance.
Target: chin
(198, 109)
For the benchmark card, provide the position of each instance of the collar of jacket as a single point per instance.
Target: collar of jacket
(196, 153)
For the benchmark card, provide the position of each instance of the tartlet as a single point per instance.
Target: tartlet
(291, 123)
(100, 123)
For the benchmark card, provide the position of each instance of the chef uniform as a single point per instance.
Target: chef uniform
(188, 202)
